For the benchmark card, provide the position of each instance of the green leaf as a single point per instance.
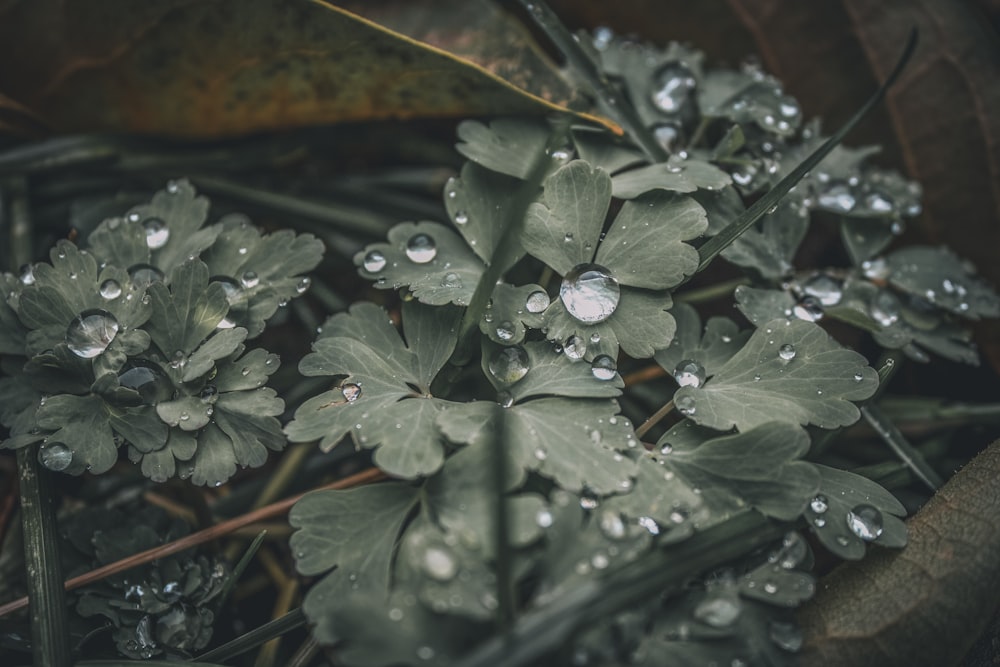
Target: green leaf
(222, 344)
(770, 250)
(864, 239)
(675, 176)
(431, 336)
(509, 312)
(841, 492)
(507, 145)
(183, 213)
(551, 374)
(12, 332)
(757, 385)
(721, 206)
(938, 275)
(477, 204)
(744, 97)
(449, 277)
(721, 340)
(757, 468)
(563, 228)
(645, 245)
(406, 436)
(187, 312)
(80, 423)
(604, 150)
(763, 305)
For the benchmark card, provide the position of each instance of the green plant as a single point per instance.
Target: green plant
(523, 502)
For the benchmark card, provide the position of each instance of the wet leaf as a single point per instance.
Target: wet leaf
(511, 310)
(507, 145)
(477, 204)
(769, 250)
(938, 275)
(675, 176)
(552, 374)
(722, 338)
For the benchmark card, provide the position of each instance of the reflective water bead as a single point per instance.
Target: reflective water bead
(144, 275)
(574, 348)
(858, 377)
(90, 333)
(505, 399)
(602, 37)
(147, 378)
(604, 367)
(788, 106)
(461, 218)
(875, 269)
(351, 392)
(879, 203)
(649, 524)
(509, 364)
(809, 309)
(719, 611)
(685, 405)
(28, 274)
(250, 279)
(689, 373)
(838, 198)
(55, 456)
(612, 525)
(157, 233)
(111, 289)
(374, 261)
(819, 504)
(865, 521)
(421, 248)
(884, 308)
(303, 285)
(672, 86)
(595, 337)
(451, 279)
(588, 502)
(590, 293)
(668, 136)
(543, 518)
(824, 288)
(537, 301)
(439, 564)
(505, 330)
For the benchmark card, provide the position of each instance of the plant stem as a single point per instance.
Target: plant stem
(711, 292)
(655, 419)
(49, 626)
(614, 102)
(505, 579)
(251, 640)
(898, 443)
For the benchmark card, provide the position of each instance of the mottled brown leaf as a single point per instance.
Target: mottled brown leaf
(926, 604)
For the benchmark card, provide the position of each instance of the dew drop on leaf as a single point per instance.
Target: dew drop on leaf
(809, 309)
(884, 308)
(612, 525)
(303, 285)
(208, 393)
(421, 248)
(451, 279)
(505, 399)
(588, 502)
(144, 275)
(505, 330)
(509, 364)
(604, 367)
(28, 274)
(689, 373)
(543, 518)
(250, 279)
(111, 289)
(837, 198)
(590, 293)
(787, 352)
(90, 333)
(537, 301)
(865, 521)
(824, 288)
(148, 379)
(157, 233)
(649, 524)
(461, 217)
(819, 504)
(439, 564)
(685, 405)
(55, 456)
(575, 348)
(719, 611)
(875, 269)
(374, 261)
(672, 86)
(668, 136)
(351, 392)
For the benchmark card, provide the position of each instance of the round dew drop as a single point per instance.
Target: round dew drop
(689, 373)
(439, 564)
(685, 405)
(55, 456)
(604, 367)
(157, 233)
(509, 364)
(144, 275)
(787, 352)
(90, 333)
(505, 330)
(374, 261)
(718, 611)
(672, 87)
(537, 301)
(421, 248)
(865, 521)
(575, 348)
(351, 392)
(590, 293)
(111, 289)
(819, 504)
(250, 279)
(809, 308)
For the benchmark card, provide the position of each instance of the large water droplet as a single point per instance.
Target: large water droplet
(157, 233)
(575, 348)
(144, 275)
(719, 611)
(505, 330)
(826, 289)
(785, 635)
(689, 373)
(865, 521)
(590, 293)
(612, 525)
(90, 333)
(351, 392)
(537, 301)
(838, 198)
(374, 261)
(809, 309)
(884, 308)
(604, 367)
(787, 352)
(148, 379)
(421, 249)
(649, 523)
(875, 269)
(668, 136)
(672, 87)
(439, 564)
(28, 274)
(451, 279)
(509, 364)
(55, 455)
(111, 289)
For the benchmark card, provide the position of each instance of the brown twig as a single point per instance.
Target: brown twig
(655, 419)
(644, 375)
(201, 537)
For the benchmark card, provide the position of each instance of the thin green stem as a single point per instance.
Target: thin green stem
(614, 102)
(711, 292)
(251, 640)
(715, 245)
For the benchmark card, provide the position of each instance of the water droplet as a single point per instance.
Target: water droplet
(672, 86)
(148, 379)
(421, 249)
(111, 289)
(599, 560)
(303, 285)
(837, 198)
(575, 348)
(588, 502)
(395, 614)
(55, 456)
(809, 309)
(879, 203)
(351, 392)
(28, 274)
(770, 587)
(374, 261)
(612, 525)
(505, 330)
(157, 233)
(858, 377)
(451, 279)
(561, 155)
(541, 454)
(824, 288)
(819, 522)
(439, 564)
(875, 269)
(685, 405)
(567, 237)
(505, 399)
(589, 293)
(144, 275)
(788, 106)
(509, 364)
(649, 524)
(718, 611)
(245, 372)
(602, 37)
(543, 518)
(787, 352)
(865, 521)
(90, 333)
(250, 279)
(785, 635)
(537, 301)
(884, 308)
(689, 373)
(461, 218)
(604, 367)
(668, 136)
(819, 504)
(179, 360)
